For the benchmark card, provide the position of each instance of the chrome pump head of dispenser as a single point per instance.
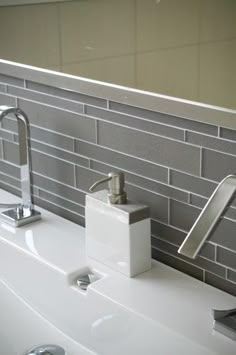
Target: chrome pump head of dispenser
(116, 183)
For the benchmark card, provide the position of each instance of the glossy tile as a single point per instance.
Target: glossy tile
(11, 80)
(162, 189)
(216, 166)
(226, 257)
(101, 35)
(163, 118)
(122, 161)
(135, 122)
(191, 183)
(217, 84)
(182, 215)
(217, 20)
(40, 46)
(67, 123)
(46, 99)
(66, 94)
(166, 24)
(164, 72)
(220, 283)
(224, 234)
(150, 147)
(60, 189)
(119, 70)
(199, 261)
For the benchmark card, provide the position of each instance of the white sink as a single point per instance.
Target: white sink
(159, 312)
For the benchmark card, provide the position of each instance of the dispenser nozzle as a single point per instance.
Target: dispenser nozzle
(116, 183)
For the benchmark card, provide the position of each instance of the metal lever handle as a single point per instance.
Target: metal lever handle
(93, 187)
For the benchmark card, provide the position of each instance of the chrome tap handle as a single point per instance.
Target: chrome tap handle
(209, 216)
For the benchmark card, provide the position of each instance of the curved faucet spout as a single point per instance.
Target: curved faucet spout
(209, 216)
(24, 152)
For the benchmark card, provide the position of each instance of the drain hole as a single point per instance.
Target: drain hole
(85, 280)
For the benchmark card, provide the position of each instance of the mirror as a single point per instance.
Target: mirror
(180, 48)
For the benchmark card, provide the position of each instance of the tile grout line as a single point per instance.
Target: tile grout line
(201, 162)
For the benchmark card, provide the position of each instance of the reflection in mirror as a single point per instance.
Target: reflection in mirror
(184, 48)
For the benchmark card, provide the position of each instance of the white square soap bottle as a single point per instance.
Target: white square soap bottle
(117, 230)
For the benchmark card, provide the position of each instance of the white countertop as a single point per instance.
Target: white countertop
(162, 311)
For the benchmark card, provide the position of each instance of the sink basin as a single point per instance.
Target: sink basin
(161, 311)
(23, 327)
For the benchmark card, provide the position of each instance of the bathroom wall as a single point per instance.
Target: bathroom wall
(171, 164)
(183, 48)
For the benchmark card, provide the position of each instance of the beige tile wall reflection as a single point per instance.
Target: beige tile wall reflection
(29, 34)
(182, 48)
(118, 70)
(172, 71)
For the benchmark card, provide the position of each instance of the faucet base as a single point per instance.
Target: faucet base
(12, 217)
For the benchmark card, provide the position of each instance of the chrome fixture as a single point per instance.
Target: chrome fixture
(23, 213)
(116, 183)
(225, 322)
(47, 349)
(209, 216)
(85, 280)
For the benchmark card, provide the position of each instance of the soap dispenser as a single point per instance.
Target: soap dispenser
(117, 230)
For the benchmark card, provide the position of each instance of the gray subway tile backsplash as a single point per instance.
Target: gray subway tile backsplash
(134, 122)
(192, 183)
(60, 189)
(67, 123)
(7, 99)
(52, 138)
(200, 262)
(164, 118)
(6, 79)
(122, 161)
(52, 167)
(211, 142)
(46, 99)
(220, 283)
(59, 201)
(224, 234)
(167, 232)
(9, 169)
(228, 134)
(197, 200)
(3, 88)
(153, 148)
(216, 166)
(145, 183)
(183, 215)
(66, 94)
(59, 210)
(231, 275)
(59, 153)
(10, 180)
(172, 164)
(226, 257)
(4, 134)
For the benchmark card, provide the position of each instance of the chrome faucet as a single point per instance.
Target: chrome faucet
(224, 321)
(23, 213)
(209, 216)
